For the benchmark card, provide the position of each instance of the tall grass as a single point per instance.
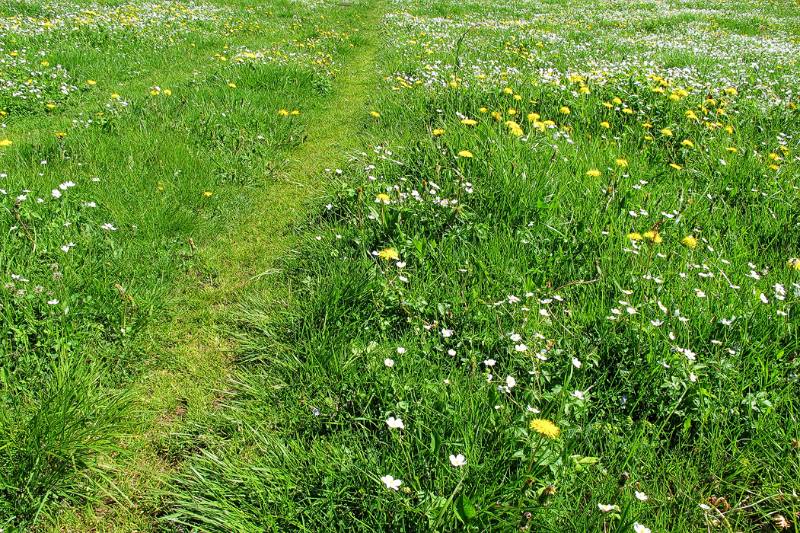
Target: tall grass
(583, 284)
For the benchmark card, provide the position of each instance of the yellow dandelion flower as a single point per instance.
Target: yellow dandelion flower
(389, 254)
(469, 122)
(374, 114)
(594, 173)
(564, 110)
(732, 149)
(653, 236)
(382, 198)
(533, 117)
(91, 83)
(666, 132)
(5, 142)
(687, 143)
(794, 263)
(283, 112)
(294, 112)
(676, 166)
(545, 428)
(231, 85)
(635, 236)
(465, 153)
(208, 194)
(605, 124)
(690, 241)
(437, 132)
(60, 134)
(621, 162)
(508, 90)
(514, 128)
(617, 100)
(167, 92)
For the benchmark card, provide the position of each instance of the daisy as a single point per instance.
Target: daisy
(458, 460)
(391, 482)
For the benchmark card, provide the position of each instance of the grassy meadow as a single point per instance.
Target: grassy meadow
(399, 265)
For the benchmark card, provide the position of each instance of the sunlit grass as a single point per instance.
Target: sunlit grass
(546, 276)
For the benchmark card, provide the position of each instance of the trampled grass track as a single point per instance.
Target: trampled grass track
(201, 340)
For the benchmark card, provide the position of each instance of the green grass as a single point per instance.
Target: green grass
(623, 268)
(92, 380)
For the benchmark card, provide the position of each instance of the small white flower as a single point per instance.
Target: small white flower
(52, 302)
(401, 350)
(391, 482)
(520, 347)
(458, 460)
(388, 362)
(606, 507)
(639, 528)
(489, 362)
(516, 337)
(451, 352)
(641, 496)
(579, 394)
(395, 423)
(576, 362)
(56, 193)
(510, 382)
(447, 333)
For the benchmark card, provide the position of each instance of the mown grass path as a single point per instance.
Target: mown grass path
(200, 366)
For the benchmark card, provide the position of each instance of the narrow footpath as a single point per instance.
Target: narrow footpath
(199, 341)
